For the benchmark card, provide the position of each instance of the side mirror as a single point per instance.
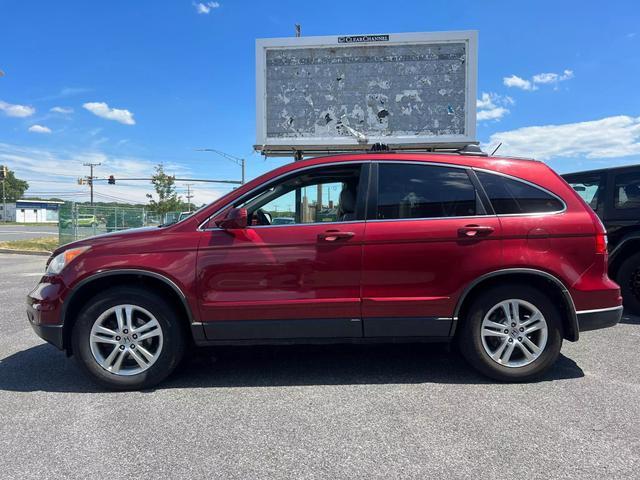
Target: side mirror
(236, 218)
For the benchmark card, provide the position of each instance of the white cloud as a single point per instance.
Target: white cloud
(517, 82)
(492, 106)
(14, 110)
(553, 77)
(205, 8)
(610, 137)
(101, 109)
(39, 129)
(537, 79)
(55, 172)
(63, 110)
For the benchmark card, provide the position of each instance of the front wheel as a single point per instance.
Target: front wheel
(512, 333)
(128, 338)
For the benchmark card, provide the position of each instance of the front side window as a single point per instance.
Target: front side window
(321, 195)
(424, 191)
(627, 191)
(509, 196)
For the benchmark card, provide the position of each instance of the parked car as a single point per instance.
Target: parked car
(614, 194)
(184, 215)
(501, 256)
(83, 220)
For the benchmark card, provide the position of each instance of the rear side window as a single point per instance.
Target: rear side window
(627, 191)
(424, 191)
(510, 196)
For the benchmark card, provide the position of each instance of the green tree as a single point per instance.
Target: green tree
(14, 188)
(164, 185)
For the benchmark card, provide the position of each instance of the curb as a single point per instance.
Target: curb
(24, 252)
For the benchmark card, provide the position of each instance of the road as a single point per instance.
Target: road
(25, 232)
(317, 412)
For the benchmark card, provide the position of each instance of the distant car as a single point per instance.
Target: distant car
(614, 194)
(498, 255)
(83, 220)
(283, 221)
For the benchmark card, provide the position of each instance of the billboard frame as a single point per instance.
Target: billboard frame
(311, 145)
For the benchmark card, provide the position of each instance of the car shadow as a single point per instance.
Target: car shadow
(630, 319)
(43, 368)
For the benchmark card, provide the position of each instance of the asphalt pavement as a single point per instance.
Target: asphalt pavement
(25, 232)
(403, 411)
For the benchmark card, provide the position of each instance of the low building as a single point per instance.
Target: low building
(31, 211)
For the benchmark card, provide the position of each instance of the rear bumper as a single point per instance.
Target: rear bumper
(600, 318)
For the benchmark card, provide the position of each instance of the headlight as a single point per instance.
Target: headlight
(63, 259)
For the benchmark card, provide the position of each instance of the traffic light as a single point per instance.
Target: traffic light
(3, 172)
(81, 181)
(112, 180)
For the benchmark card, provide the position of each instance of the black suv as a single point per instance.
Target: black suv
(614, 194)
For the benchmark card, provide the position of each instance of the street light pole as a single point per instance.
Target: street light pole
(232, 158)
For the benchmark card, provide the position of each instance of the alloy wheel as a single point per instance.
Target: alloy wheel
(126, 340)
(514, 333)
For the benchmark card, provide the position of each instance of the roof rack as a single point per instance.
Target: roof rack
(472, 149)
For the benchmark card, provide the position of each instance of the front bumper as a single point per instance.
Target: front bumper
(44, 304)
(600, 318)
(50, 333)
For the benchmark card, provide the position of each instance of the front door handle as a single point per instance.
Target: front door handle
(334, 235)
(474, 230)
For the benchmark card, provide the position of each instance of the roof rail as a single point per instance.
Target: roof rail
(472, 149)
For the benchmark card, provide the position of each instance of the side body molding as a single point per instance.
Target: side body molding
(573, 332)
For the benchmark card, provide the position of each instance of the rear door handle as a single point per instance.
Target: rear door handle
(334, 235)
(474, 230)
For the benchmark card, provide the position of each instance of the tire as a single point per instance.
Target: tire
(164, 340)
(476, 347)
(628, 277)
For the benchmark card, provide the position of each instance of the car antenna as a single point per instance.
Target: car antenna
(494, 152)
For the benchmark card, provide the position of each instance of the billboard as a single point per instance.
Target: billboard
(340, 93)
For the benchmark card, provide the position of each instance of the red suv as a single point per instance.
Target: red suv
(497, 254)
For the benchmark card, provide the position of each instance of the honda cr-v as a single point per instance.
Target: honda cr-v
(499, 255)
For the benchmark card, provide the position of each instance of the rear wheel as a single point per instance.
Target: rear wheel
(128, 338)
(628, 278)
(512, 333)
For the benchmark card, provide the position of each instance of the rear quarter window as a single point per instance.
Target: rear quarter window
(510, 196)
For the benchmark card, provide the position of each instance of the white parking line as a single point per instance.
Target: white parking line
(19, 232)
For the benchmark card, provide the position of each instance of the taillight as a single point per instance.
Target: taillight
(601, 242)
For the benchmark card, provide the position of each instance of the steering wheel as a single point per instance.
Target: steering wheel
(263, 217)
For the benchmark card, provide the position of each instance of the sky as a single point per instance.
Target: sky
(129, 84)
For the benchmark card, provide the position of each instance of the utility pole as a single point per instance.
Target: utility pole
(189, 195)
(91, 177)
(4, 172)
(231, 158)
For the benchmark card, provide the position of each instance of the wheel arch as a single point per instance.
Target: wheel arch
(627, 247)
(88, 287)
(538, 278)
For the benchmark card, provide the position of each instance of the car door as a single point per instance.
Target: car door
(428, 235)
(297, 279)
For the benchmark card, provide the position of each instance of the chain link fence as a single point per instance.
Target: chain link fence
(78, 220)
